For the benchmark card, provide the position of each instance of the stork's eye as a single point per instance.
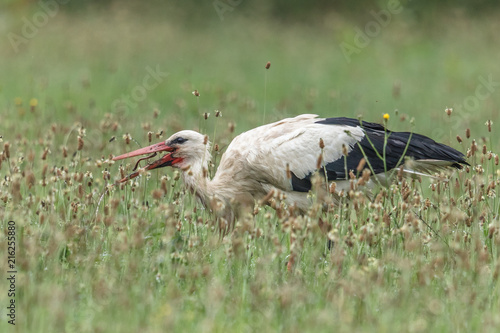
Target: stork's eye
(179, 141)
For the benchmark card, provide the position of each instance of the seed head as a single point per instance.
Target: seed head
(366, 175)
(164, 182)
(361, 165)
(80, 143)
(479, 169)
(206, 115)
(488, 124)
(467, 133)
(45, 152)
(82, 131)
(473, 147)
(321, 144)
(31, 156)
(156, 113)
(491, 230)
(196, 93)
(6, 149)
(30, 179)
(288, 172)
(150, 136)
(218, 113)
(81, 191)
(459, 139)
(345, 152)
(333, 186)
(268, 65)
(268, 197)
(157, 194)
(106, 175)
(448, 111)
(127, 137)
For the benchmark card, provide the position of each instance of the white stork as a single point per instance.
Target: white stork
(283, 156)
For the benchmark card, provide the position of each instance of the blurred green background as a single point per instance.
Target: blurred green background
(83, 56)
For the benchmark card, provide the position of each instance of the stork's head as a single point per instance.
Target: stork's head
(184, 149)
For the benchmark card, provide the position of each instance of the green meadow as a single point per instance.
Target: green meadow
(80, 84)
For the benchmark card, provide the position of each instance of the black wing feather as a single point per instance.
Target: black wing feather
(419, 147)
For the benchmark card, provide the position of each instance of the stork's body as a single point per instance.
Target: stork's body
(284, 155)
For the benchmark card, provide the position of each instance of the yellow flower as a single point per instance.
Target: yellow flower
(386, 116)
(33, 102)
(18, 101)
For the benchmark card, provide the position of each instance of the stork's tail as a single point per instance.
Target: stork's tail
(428, 156)
(429, 167)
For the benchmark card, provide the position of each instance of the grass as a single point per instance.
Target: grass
(422, 256)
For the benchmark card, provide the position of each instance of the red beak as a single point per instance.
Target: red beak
(146, 150)
(166, 160)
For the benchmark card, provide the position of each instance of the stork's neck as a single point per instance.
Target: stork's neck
(216, 194)
(196, 178)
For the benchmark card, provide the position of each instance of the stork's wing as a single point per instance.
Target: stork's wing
(291, 143)
(294, 144)
(394, 148)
